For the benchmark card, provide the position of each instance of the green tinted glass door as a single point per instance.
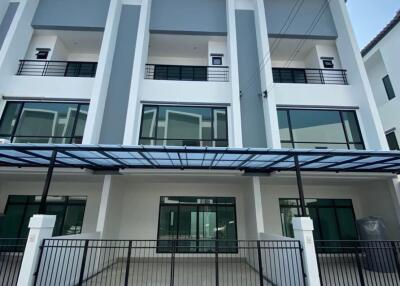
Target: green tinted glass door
(207, 228)
(187, 233)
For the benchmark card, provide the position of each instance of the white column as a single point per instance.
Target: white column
(352, 61)
(236, 118)
(303, 231)
(103, 73)
(41, 227)
(105, 195)
(258, 208)
(131, 136)
(267, 82)
(17, 40)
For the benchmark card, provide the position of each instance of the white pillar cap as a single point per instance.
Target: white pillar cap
(42, 221)
(303, 223)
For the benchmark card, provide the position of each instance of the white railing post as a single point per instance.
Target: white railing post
(40, 227)
(303, 231)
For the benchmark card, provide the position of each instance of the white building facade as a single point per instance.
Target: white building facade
(384, 77)
(213, 74)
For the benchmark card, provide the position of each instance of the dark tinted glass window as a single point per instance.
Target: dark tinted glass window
(333, 218)
(320, 129)
(184, 126)
(392, 141)
(19, 209)
(388, 87)
(197, 223)
(43, 122)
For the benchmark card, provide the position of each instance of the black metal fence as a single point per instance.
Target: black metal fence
(57, 68)
(312, 76)
(359, 262)
(187, 73)
(11, 254)
(127, 262)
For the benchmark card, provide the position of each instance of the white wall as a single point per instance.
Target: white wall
(363, 195)
(379, 62)
(218, 47)
(74, 186)
(177, 61)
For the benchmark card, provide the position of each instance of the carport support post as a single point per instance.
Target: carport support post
(40, 228)
(42, 207)
(300, 186)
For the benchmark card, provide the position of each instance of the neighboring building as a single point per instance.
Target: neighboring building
(254, 89)
(381, 62)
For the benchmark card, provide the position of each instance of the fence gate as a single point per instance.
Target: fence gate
(359, 263)
(170, 263)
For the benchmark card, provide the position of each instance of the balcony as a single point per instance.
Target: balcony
(310, 76)
(57, 68)
(187, 73)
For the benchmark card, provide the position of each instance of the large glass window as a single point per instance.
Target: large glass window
(333, 219)
(197, 224)
(184, 126)
(43, 122)
(19, 209)
(321, 129)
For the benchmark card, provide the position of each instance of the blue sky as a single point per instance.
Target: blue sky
(369, 17)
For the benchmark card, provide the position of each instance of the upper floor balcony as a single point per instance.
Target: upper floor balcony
(56, 63)
(306, 62)
(185, 68)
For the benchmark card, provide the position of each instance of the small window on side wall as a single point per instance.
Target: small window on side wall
(328, 64)
(388, 87)
(217, 61)
(392, 140)
(42, 53)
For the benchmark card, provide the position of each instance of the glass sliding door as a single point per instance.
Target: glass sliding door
(197, 224)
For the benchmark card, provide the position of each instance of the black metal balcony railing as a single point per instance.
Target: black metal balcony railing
(132, 262)
(311, 76)
(11, 253)
(187, 73)
(57, 68)
(358, 262)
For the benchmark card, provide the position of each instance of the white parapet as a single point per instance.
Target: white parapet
(40, 227)
(303, 231)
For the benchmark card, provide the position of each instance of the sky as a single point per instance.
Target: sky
(369, 17)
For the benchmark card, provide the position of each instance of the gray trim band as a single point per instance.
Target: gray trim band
(327, 107)
(44, 99)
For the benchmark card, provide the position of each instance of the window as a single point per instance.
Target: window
(328, 64)
(43, 122)
(392, 140)
(19, 210)
(196, 224)
(42, 53)
(388, 87)
(333, 219)
(184, 126)
(217, 61)
(320, 129)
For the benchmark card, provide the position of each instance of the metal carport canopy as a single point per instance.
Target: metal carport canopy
(252, 160)
(258, 160)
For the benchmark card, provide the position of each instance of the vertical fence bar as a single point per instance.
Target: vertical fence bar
(359, 268)
(85, 250)
(173, 263)
(260, 266)
(216, 264)
(128, 261)
(396, 258)
(36, 274)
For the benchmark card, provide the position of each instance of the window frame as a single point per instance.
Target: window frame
(65, 203)
(197, 205)
(348, 143)
(393, 133)
(156, 138)
(13, 135)
(318, 222)
(387, 83)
